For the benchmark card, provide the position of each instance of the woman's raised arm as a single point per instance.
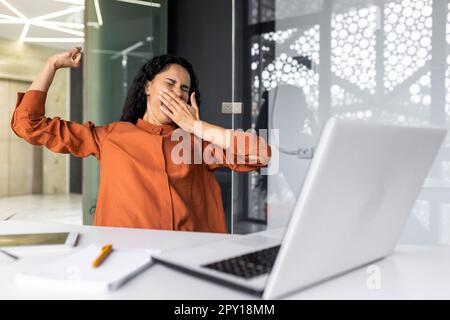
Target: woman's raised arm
(68, 59)
(30, 123)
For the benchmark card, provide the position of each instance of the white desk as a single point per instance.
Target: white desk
(412, 272)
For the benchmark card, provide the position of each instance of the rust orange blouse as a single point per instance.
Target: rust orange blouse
(140, 185)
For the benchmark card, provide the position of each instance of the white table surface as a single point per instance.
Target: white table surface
(412, 272)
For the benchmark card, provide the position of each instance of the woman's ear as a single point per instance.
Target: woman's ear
(147, 87)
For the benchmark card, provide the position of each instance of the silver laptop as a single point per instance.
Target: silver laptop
(357, 195)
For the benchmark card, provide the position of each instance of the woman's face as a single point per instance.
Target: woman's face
(174, 78)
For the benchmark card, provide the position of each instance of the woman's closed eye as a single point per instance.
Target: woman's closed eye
(173, 83)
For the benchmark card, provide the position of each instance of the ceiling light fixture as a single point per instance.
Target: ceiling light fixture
(44, 22)
(64, 24)
(142, 3)
(98, 12)
(78, 2)
(67, 40)
(46, 25)
(11, 7)
(24, 32)
(58, 13)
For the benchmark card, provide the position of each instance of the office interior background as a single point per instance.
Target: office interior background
(291, 63)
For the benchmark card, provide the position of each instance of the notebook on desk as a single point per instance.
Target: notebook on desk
(75, 272)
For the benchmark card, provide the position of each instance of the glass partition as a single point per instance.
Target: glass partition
(308, 60)
(120, 37)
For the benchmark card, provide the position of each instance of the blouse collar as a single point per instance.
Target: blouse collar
(156, 129)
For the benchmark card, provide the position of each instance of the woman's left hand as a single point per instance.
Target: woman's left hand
(183, 114)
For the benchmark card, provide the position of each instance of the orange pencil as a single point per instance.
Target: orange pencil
(106, 250)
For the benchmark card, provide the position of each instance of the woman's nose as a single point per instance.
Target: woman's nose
(178, 92)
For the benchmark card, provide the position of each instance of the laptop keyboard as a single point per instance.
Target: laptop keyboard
(248, 265)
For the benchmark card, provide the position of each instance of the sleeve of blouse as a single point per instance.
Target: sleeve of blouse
(29, 122)
(246, 152)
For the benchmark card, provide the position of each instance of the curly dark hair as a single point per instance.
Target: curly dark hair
(136, 101)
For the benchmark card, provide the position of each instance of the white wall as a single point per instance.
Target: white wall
(19, 64)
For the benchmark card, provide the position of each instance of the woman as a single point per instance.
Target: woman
(143, 184)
